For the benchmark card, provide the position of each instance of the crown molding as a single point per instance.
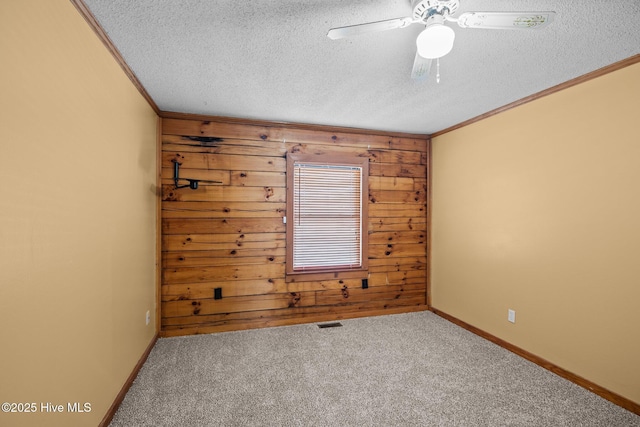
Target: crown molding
(557, 88)
(102, 35)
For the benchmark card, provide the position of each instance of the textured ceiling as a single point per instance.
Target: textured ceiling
(271, 60)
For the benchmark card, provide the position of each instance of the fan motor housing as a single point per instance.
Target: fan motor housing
(423, 9)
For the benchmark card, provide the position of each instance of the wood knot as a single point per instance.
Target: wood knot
(345, 291)
(295, 299)
(268, 192)
(233, 252)
(263, 136)
(334, 137)
(243, 175)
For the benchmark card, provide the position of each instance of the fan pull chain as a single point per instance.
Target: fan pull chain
(438, 70)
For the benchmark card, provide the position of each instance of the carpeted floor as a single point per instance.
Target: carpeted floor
(400, 370)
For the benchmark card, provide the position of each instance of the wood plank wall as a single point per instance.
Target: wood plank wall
(232, 236)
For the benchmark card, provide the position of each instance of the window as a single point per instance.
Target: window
(326, 214)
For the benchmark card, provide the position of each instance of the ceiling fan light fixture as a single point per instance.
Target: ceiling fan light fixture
(435, 41)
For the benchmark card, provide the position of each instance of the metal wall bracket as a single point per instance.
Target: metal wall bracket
(191, 183)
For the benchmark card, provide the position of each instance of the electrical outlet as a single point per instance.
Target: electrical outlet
(148, 318)
(511, 316)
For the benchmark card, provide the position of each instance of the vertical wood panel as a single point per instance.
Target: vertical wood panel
(159, 248)
(232, 236)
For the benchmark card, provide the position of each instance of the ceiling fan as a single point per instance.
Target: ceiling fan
(436, 40)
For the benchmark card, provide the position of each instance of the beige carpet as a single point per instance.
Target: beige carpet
(401, 370)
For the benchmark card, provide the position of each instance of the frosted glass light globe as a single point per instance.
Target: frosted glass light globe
(435, 41)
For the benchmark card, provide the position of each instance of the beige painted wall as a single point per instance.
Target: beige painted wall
(77, 215)
(537, 209)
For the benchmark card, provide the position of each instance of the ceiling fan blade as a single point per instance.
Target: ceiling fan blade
(371, 27)
(505, 20)
(421, 68)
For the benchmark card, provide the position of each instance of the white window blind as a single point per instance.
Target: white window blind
(327, 215)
